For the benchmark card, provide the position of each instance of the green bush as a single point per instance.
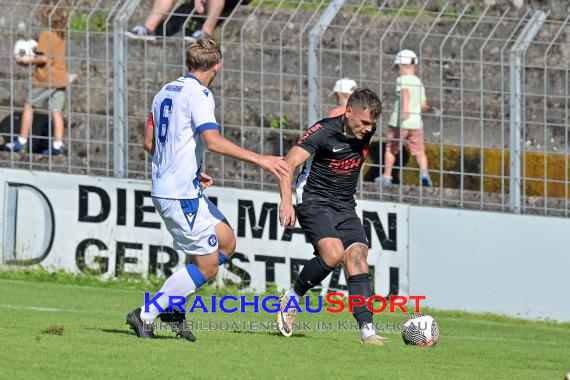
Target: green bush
(279, 121)
(82, 22)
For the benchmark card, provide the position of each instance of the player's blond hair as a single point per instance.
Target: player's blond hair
(203, 54)
(54, 16)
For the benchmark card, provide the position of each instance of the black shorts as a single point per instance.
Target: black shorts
(320, 220)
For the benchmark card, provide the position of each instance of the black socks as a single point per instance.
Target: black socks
(315, 271)
(359, 285)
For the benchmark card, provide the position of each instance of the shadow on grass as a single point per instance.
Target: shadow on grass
(296, 335)
(129, 332)
(272, 333)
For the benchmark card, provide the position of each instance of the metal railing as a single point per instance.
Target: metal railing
(497, 81)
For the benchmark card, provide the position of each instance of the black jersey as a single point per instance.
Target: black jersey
(331, 174)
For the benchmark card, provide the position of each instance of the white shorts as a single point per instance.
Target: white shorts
(191, 222)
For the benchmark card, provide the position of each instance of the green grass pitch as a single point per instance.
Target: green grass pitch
(96, 343)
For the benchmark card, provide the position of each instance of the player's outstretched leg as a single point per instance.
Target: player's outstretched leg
(330, 251)
(183, 283)
(315, 271)
(356, 266)
(226, 243)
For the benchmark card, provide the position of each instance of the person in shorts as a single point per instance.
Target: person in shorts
(406, 126)
(332, 153)
(181, 125)
(49, 81)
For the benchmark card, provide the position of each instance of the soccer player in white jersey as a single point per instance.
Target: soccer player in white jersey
(181, 126)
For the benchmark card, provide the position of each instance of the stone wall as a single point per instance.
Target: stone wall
(467, 108)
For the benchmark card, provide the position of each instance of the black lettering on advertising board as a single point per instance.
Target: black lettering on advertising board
(95, 256)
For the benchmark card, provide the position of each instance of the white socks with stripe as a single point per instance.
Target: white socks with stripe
(180, 284)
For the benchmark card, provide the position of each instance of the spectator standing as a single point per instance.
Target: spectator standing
(406, 124)
(343, 88)
(49, 81)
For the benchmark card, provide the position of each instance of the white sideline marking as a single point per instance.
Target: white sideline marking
(21, 282)
(495, 339)
(40, 308)
(54, 309)
(510, 324)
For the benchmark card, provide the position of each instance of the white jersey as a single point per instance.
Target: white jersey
(181, 111)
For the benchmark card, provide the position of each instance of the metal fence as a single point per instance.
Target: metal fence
(497, 81)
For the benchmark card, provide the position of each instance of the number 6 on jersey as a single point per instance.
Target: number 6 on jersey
(165, 110)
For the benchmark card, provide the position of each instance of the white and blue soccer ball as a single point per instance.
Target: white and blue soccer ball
(420, 330)
(25, 47)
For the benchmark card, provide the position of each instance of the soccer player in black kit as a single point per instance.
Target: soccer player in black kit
(333, 151)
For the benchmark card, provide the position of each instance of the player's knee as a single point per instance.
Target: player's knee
(358, 253)
(228, 247)
(334, 257)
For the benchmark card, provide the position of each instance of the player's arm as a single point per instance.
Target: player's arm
(219, 144)
(405, 103)
(148, 142)
(294, 158)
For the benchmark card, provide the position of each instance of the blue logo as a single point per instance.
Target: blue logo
(205, 92)
(212, 240)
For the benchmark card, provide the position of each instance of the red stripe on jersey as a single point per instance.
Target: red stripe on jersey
(309, 132)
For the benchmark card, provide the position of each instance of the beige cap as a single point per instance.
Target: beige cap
(344, 85)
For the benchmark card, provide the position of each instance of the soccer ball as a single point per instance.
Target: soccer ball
(24, 48)
(420, 330)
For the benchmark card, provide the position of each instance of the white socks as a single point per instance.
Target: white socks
(57, 144)
(179, 284)
(367, 330)
(292, 293)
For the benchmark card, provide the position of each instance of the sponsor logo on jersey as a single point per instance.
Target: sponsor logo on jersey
(212, 240)
(344, 166)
